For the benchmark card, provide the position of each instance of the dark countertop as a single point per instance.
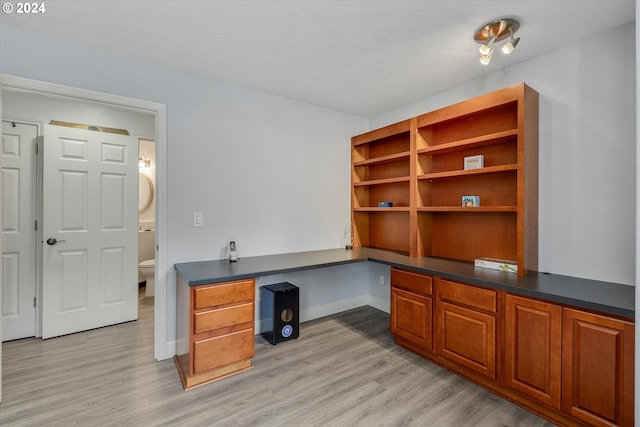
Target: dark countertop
(611, 298)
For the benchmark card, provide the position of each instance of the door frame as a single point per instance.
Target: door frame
(14, 83)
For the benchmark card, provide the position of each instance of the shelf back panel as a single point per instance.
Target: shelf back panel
(483, 122)
(494, 190)
(395, 169)
(384, 230)
(469, 236)
(494, 155)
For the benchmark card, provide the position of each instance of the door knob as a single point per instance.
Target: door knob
(52, 241)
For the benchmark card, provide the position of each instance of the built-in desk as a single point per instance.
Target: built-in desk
(605, 297)
(560, 346)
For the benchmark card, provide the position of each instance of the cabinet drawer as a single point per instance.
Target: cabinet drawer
(411, 281)
(471, 296)
(223, 350)
(211, 320)
(223, 293)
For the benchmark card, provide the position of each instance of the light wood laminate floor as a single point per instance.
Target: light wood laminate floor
(343, 371)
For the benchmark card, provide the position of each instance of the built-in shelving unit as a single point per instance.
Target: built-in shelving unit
(418, 165)
(382, 173)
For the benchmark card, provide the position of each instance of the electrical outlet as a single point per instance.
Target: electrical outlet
(381, 280)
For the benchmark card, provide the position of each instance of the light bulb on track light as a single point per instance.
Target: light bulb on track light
(485, 59)
(486, 48)
(510, 45)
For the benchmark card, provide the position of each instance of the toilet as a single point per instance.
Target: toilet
(147, 270)
(146, 261)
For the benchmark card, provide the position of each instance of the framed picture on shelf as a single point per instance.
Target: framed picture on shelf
(470, 201)
(474, 162)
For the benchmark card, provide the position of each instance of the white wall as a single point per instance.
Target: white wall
(273, 174)
(266, 171)
(587, 161)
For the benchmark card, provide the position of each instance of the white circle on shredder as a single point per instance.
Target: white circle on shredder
(287, 330)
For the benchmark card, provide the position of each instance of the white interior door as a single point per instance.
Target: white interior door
(90, 230)
(18, 161)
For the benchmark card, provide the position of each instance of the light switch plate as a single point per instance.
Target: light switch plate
(198, 219)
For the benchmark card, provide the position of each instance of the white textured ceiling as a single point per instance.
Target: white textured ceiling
(362, 57)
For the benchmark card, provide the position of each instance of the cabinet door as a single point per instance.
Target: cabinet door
(532, 348)
(597, 368)
(411, 317)
(467, 337)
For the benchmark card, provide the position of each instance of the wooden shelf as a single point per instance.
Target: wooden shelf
(476, 142)
(377, 135)
(457, 173)
(377, 209)
(469, 210)
(384, 159)
(381, 181)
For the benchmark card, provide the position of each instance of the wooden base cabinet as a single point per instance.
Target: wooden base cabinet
(466, 326)
(597, 368)
(219, 327)
(570, 366)
(533, 339)
(411, 307)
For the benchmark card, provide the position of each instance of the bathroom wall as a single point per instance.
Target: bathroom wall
(147, 148)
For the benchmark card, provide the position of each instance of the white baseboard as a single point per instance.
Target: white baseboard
(325, 310)
(169, 350)
(379, 303)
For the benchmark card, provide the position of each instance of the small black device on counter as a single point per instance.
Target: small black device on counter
(280, 308)
(233, 254)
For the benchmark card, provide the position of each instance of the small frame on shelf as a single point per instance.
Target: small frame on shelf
(385, 204)
(474, 162)
(470, 201)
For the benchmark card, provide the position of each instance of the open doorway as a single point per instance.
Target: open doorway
(13, 85)
(146, 216)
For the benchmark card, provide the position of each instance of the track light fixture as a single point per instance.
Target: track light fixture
(495, 32)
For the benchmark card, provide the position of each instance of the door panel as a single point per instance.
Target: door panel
(467, 337)
(533, 348)
(90, 209)
(598, 368)
(19, 212)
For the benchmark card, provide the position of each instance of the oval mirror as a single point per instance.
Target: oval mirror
(145, 192)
